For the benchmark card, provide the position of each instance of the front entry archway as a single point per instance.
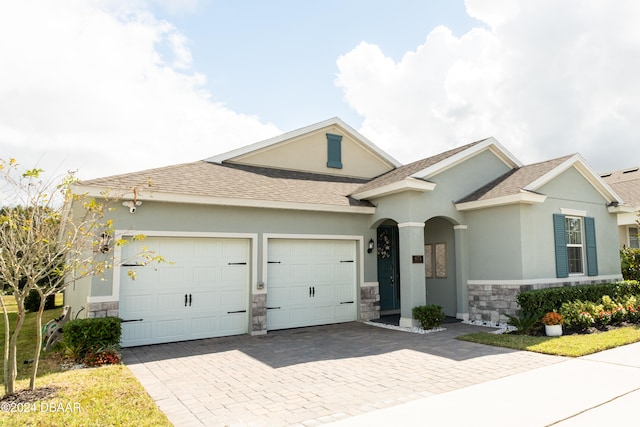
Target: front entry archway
(441, 271)
(388, 269)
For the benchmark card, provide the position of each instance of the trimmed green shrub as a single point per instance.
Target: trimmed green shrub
(429, 316)
(630, 263)
(80, 335)
(540, 301)
(32, 301)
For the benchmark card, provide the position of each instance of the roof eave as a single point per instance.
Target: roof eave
(407, 184)
(167, 197)
(524, 197)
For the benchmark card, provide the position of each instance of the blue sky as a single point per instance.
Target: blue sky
(277, 59)
(115, 86)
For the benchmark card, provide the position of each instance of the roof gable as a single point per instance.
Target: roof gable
(415, 176)
(522, 185)
(306, 150)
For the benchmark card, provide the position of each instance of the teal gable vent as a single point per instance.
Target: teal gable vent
(334, 151)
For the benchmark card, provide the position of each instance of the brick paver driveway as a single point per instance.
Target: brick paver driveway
(316, 375)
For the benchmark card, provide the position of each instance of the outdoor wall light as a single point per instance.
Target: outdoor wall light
(132, 205)
(105, 242)
(372, 244)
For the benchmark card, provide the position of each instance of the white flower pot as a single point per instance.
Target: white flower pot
(553, 330)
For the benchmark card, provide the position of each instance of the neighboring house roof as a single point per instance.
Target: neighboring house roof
(414, 176)
(238, 185)
(521, 185)
(625, 182)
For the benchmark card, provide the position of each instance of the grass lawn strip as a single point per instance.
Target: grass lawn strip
(108, 395)
(566, 345)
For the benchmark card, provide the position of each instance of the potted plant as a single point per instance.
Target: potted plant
(552, 322)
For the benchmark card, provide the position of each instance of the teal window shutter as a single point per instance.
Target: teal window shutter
(560, 238)
(334, 151)
(590, 240)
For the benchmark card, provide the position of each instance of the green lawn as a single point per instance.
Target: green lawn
(108, 395)
(566, 345)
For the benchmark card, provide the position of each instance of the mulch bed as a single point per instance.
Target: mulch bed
(30, 396)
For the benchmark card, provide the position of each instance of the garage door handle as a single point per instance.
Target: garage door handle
(234, 312)
(274, 262)
(189, 300)
(346, 302)
(185, 300)
(131, 320)
(132, 264)
(348, 260)
(273, 308)
(237, 263)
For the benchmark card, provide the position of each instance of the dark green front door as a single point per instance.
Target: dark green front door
(388, 268)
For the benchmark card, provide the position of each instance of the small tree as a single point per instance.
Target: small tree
(49, 239)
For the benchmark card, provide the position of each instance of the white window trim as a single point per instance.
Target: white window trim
(629, 227)
(581, 245)
(573, 212)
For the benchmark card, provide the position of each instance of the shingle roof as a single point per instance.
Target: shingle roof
(206, 179)
(405, 171)
(513, 181)
(626, 183)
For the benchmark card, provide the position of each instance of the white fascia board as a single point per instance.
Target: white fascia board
(524, 197)
(624, 209)
(227, 201)
(585, 170)
(220, 158)
(488, 144)
(407, 184)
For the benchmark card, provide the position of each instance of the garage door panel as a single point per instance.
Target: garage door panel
(141, 303)
(172, 275)
(203, 325)
(169, 329)
(200, 269)
(308, 279)
(170, 301)
(136, 332)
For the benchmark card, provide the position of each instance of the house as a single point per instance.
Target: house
(626, 183)
(320, 226)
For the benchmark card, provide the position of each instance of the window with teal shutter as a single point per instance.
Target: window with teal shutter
(334, 151)
(560, 238)
(590, 240)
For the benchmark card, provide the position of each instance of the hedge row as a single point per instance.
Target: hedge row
(540, 301)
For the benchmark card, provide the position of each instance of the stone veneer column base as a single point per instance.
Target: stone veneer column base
(493, 302)
(102, 309)
(258, 314)
(369, 301)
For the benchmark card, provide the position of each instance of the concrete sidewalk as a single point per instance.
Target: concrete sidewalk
(599, 389)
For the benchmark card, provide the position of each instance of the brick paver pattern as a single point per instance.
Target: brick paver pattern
(312, 376)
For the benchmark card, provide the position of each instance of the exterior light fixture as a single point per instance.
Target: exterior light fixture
(372, 244)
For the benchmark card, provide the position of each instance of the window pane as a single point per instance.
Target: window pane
(574, 231)
(633, 238)
(575, 259)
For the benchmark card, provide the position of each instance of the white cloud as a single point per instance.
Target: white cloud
(95, 86)
(546, 78)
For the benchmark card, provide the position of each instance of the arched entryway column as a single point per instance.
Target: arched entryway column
(412, 292)
(462, 271)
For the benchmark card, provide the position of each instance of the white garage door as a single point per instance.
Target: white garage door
(201, 292)
(310, 282)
